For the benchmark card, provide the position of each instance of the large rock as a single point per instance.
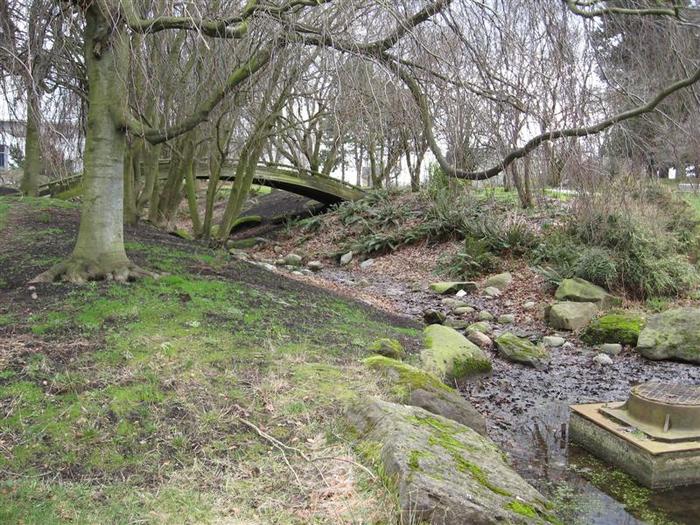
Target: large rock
(449, 355)
(581, 291)
(521, 350)
(673, 334)
(450, 405)
(500, 281)
(446, 473)
(621, 327)
(453, 287)
(570, 315)
(416, 387)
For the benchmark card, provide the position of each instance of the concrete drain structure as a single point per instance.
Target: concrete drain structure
(654, 436)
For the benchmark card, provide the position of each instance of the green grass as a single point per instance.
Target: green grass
(129, 411)
(693, 199)
(559, 195)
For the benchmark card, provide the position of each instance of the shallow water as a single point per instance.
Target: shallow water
(528, 413)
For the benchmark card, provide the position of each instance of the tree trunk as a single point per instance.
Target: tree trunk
(99, 251)
(32, 146)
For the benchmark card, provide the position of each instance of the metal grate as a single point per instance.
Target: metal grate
(672, 394)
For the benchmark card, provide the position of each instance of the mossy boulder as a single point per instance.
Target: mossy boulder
(500, 281)
(620, 327)
(449, 355)
(445, 473)
(453, 287)
(388, 348)
(570, 315)
(416, 387)
(406, 377)
(521, 350)
(581, 291)
(673, 334)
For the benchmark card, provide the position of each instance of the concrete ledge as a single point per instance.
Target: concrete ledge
(651, 466)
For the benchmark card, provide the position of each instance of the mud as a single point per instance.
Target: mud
(527, 409)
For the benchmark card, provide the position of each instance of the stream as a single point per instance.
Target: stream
(527, 411)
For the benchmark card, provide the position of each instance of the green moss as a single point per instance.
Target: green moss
(522, 508)
(450, 355)
(156, 397)
(521, 350)
(388, 348)
(623, 328)
(636, 499)
(471, 367)
(407, 378)
(478, 474)
(414, 458)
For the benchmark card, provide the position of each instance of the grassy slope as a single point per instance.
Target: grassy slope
(130, 402)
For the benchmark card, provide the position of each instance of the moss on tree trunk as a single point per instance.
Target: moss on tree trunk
(32, 146)
(99, 251)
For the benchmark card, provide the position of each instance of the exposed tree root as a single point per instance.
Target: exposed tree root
(79, 271)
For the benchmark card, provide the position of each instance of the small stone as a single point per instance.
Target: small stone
(603, 360)
(31, 288)
(238, 254)
(297, 272)
(553, 341)
(293, 259)
(530, 305)
(457, 324)
(434, 317)
(521, 350)
(480, 339)
(485, 315)
(461, 293)
(453, 303)
(34, 295)
(366, 264)
(280, 262)
(450, 287)
(463, 310)
(611, 348)
(346, 258)
(277, 248)
(569, 346)
(492, 291)
(506, 319)
(267, 266)
(482, 326)
(500, 281)
(315, 266)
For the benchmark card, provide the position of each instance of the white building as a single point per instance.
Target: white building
(11, 136)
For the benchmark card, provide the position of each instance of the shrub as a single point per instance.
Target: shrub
(474, 259)
(596, 265)
(641, 248)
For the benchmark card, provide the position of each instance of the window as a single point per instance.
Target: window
(4, 157)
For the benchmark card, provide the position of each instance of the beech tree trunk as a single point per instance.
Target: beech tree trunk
(99, 251)
(32, 147)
